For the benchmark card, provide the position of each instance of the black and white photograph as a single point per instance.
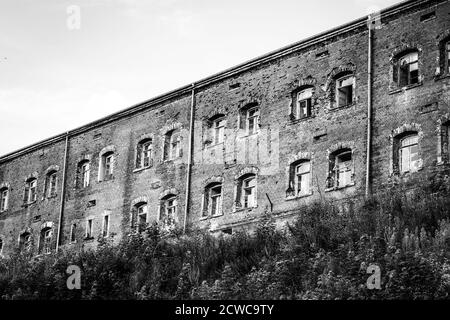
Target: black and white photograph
(218, 159)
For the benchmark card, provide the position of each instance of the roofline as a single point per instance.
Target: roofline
(216, 77)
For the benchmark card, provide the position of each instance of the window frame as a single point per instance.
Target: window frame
(73, 228)
(296, 180)
(307, 100)
(106, 223)
(89, 228)
(350, 97)
(30, 193)
(45, 245)
(51, 184)
(255, 118)
(84, 174)
(447, 56)
(408, 147)
(4, 199)
(209, 199)
(218, 130)
(243, 196)
(138, 224)
(400, 69)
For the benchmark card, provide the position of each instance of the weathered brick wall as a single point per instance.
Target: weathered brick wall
(269, 153)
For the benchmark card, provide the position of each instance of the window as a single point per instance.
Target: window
(1, 246)
(141, 216)
(144, 154)
(447, 56)
(172, 149)
(3, 199)
(252, 120)
(302, 178)
(89, 229)
(51, 183)
(107, 166)
(344, 91)
(409, 153)
(45, 242)
(218, 130)
(105, 226)
(303, 103)
(341, 169)
(246, 192)
(84, 170)
(25, 242)
(73, 230)
(30, 194)
(407, 70)
(168, 209)
(213, 200)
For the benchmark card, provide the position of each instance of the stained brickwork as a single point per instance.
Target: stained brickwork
(119, 177)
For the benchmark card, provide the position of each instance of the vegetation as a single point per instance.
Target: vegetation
(323, 254)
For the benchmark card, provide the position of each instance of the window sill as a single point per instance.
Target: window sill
(295, 121)
(142, 169)
(88, 239)
(244, 209)
(249, 135)
(441, 76)
(335, 108)
(52, 196)
(211, 146)
(298, 196)
(339, 187)
(28, 204)
(405, 88)
(211, 217)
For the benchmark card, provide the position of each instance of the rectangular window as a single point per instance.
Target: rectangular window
(448, 56)
(344, 169)
(248, 192)
(409, 154)
(73, 233)
(170, 207)
(219, 128)
(172, 145)
(142, 217)
(409, 69)
(3, 200)
(252, 120)
(344, 91)
(215, 202)
(109, 166)
(52, 182)
(303, 178)
(30, 191)
(85, 174)
(47, 237)
(146, 154)
(105, 227)
(89, 228)
(304, 103)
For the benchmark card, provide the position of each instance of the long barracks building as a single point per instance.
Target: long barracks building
(337, 116)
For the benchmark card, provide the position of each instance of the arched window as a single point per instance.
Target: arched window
(408, 153)
(30, 192)
(250, 118)
(168, 209)
(107, 166)
(51, 180)
(246, 196)
(84, 174)
(406, 69)
(341, 169)
(212, 201)
(46, 240)
(140, 216)
(4, 195)
(25, 241)
(299, 178)
(172, 145)
(144, 154)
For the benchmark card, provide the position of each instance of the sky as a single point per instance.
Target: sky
(64, 63)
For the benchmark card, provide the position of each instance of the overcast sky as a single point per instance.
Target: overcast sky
(55, 76)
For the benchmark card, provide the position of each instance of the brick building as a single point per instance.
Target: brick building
(338, 115)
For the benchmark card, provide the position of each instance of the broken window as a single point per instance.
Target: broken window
(303, 103)
(45, 241)
(213, 200)
(144, 154)
(344, 91)
(30, 193)
(51, 183)
(140, 212)
(83, 174)
(303, 178)
(341, 169)
(409, 153)
(107, 166)
(25, 242)
(3, 199)
(407, 69)
(246, 191)
(168, 209)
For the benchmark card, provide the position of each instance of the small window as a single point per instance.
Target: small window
(252, 120)
(45, 241)
(341, 169)
(218, 128)
(89, 229)
(107, 166)
(409, 154)
(84, 170)
(30, 194)
(144, 154)
(168, 209)
(51, 184)
(303, 103)
(4, 199)
(172, 145)
(344, 91)
(73, 230)
(213, 200)
(140, 216)
(407, 69)
(105, 225)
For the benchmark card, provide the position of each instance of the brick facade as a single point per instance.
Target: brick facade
(269, 155)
